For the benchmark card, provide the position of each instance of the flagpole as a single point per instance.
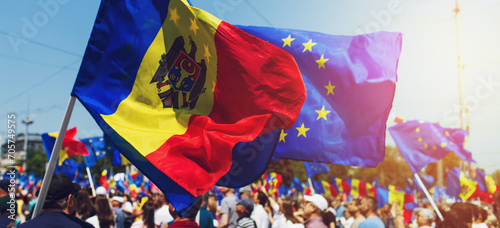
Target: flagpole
(311, 186)
(419, 181)
(91, 181)
(47, 178)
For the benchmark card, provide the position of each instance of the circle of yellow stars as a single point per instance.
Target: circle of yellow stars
(322, 113)
(434, 147)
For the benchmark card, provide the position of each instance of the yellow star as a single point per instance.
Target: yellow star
(308, 46)
(101, 139)
(207, 53)
(174, 16)
(321, 62)
(97, 153)
(330, 88)
(443, 145)
(434, 147)
(446, 133)
(90, 140)
(282, 136)
(420, 139)
(302, 130)
(417, 130)
(194, 26)
(104, 152)
(322, 113)
(426, 146)
(288, 41)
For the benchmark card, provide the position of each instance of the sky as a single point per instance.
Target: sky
(42, 44)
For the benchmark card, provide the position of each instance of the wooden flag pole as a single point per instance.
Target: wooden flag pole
(419, 181)
(47, 178)
(91, 181)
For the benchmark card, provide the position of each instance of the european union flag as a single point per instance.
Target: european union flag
(350, 82)
(422, 143)
(313, 168)
(98, 148)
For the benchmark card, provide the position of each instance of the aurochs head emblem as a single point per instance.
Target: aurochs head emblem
(182, 74)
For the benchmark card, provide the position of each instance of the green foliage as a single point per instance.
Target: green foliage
(35, 162)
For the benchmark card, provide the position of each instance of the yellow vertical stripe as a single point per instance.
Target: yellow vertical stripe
(141, 118)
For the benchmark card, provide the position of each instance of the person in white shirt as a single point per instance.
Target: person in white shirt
(259, 214)
(162, 214)
(480, 217)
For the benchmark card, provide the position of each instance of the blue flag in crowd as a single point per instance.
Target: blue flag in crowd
(350, 83)
(313, 168)
(98, 148)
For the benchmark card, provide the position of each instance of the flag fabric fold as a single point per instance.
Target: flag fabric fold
(176, 89)
(339, 71)
(422, 143)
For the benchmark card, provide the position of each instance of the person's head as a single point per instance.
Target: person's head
(244, 207)
(117, 201)
(225, 190)
(84, 206)
(159, 199)
(460, 215)
(368, 205)
(424, 217)
(244, 192)
(204, 199)
(314, 206)
(148, 214)
(260, 198)
(60, 193)
(101, 191)
(104, 211)
(336, 202)
(387, 208)
(481, 216)
(353, 206)
(287, 210)
(4, 187)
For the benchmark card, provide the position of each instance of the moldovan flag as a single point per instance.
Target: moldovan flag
(70, 146)
(177, 90)
(459, 185)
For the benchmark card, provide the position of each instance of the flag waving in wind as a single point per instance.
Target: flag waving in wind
(350, 83)
(70, 146)
(422, 143)
(176, 89)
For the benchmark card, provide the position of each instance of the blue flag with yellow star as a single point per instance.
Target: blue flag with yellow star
(422, 143)
(313, 168)
(98, 148)
(350, 83)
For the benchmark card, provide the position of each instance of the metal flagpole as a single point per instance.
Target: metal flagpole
(47, 178)
(311, 185)
(419, 181)
(91, 181)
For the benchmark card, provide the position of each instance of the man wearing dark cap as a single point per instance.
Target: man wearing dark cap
(60, 197)
(244, 208)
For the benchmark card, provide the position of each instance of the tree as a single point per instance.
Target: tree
(35, 162)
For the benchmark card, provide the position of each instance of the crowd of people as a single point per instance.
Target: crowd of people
(69, 205)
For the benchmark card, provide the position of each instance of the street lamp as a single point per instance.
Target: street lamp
(26, 121)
